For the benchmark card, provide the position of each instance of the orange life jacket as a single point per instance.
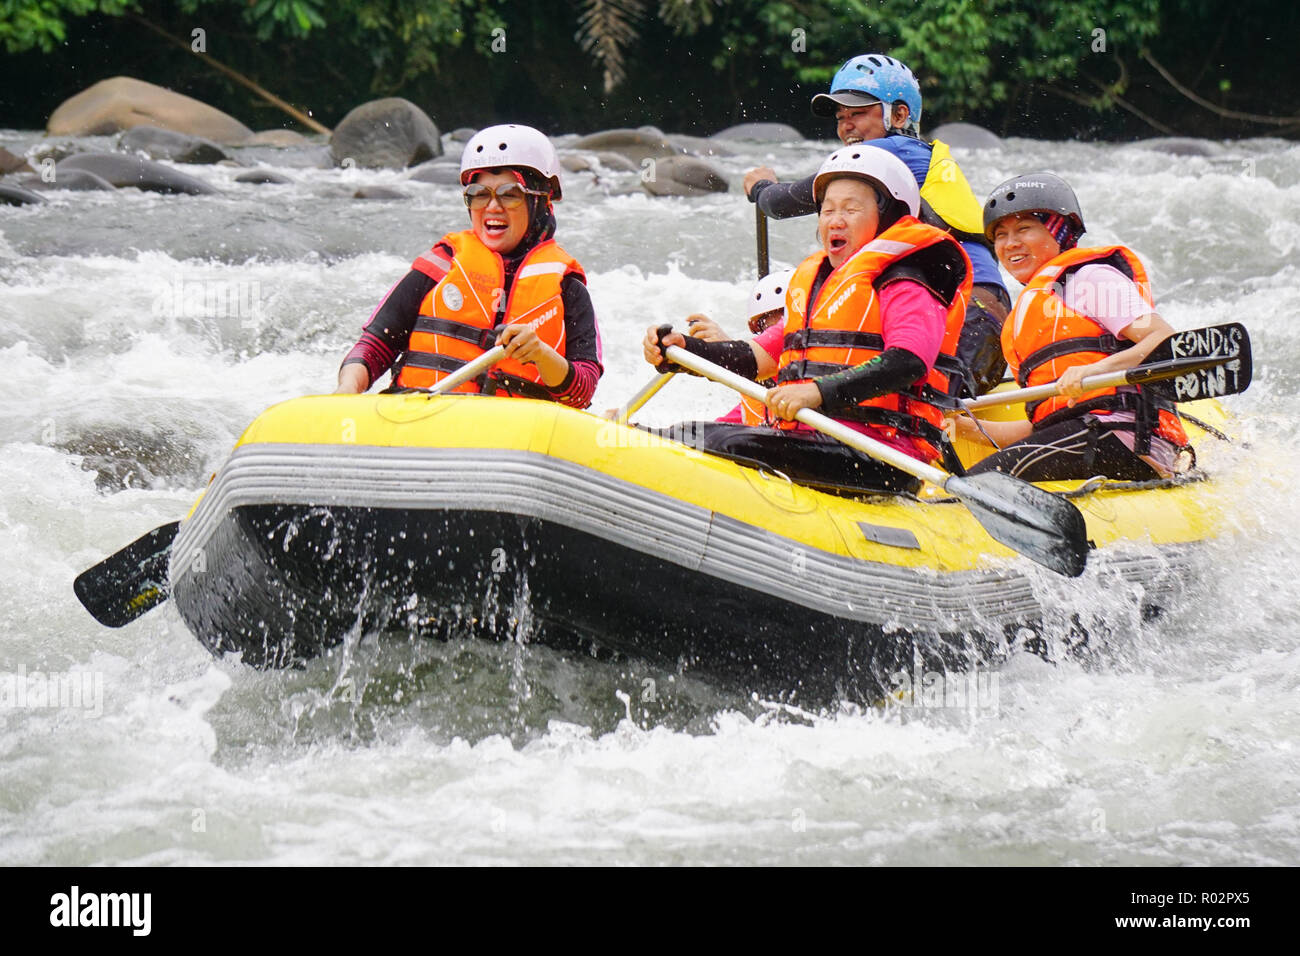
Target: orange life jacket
(458, 319)
(844, 326)
(1043, 337)
(754, 412)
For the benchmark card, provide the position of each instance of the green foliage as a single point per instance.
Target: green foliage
(967, 54)
(685, 60)
(42, 24)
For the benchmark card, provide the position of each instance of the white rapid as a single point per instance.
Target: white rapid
(140, 333)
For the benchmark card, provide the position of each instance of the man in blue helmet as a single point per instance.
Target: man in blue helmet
(875, 99)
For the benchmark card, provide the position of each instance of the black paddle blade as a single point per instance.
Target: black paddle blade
(125, 585)
(1040, 525)
(1224, 348)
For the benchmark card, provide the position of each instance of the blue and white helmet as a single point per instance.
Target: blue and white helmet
(873, 78)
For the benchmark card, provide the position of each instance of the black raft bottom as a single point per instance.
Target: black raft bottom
(281, 584)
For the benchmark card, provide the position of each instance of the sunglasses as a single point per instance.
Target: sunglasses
(510, 196)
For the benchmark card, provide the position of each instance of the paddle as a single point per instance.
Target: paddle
(1199, 363)
(134, 580)
(1036, 523)
(646, 393)
(650, 388)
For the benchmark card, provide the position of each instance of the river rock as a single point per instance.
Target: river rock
(760, 133)
(166, 144)
(391, 133)
(966, 136)
(1181, 146)
(617, 163)
(632, 144)
(575, 163)
(683, 176)
(18, 196)
(377, 192)
(700, 146)
(80, 180)
(55, 151)
(461, 134)
(133, 171)
(13, 163)
(122, 102)
(440, 174)
(261, 176)
(277, 138)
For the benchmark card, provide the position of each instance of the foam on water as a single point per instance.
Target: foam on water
(1165, 742)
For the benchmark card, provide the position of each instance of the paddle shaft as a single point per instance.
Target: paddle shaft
(1133, 376)
(470, 370)
(651, 388)
(1024, 518)
(813, 419)
(648, 391)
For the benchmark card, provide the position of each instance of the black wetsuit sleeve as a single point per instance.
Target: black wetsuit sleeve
(735, 355)
(388, 332)
(581, 345)
(893, 370)
(785, 200)
(581, 334)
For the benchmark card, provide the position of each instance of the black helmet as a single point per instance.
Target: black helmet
(1031, 192)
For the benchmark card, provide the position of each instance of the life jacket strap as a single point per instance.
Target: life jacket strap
(804, 369)
(483, 338)
(1107, 344)
(432, 362)
(832, 338)
(498, 382)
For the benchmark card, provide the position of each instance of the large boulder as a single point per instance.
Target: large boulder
(633, 144)
(123, 102)
(80, 180)
(144, 174)
(682, 176)
(760, 133)
(966, 136)
(391, 133)
(167, 144)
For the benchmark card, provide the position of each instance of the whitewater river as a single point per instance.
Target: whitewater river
(123, 389)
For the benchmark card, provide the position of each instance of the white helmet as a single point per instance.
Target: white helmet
(881, 169)
(769, 293)
(511, 145)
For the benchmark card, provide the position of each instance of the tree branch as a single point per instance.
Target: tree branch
(1229, 114)
(271, 98)
(1091, 103)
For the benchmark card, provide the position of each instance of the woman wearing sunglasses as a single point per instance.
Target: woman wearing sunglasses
(503, 281)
